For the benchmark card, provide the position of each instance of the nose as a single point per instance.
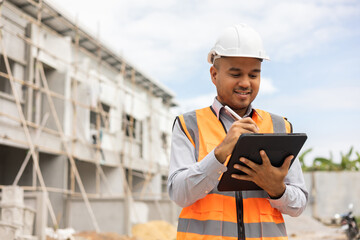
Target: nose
(244, 82)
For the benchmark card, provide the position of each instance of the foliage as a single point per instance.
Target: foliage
(327, 164)
(302, 159)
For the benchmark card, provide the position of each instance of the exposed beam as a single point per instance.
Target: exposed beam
(93, 50)
(115, 63)
(23, 5)
(83, 40)
(47, 19)
(65, 31)
(106, 57)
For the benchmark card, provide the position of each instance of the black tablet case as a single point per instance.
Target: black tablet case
(276, 145)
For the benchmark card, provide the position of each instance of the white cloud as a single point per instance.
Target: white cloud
(196, 102)
(266, 86)
(163, 37)
(318, 99)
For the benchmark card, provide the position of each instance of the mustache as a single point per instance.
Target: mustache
(243, 89)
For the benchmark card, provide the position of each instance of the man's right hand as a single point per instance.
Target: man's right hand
(225, 148)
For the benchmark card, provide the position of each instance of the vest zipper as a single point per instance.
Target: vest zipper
(240, 215)
(238, 199)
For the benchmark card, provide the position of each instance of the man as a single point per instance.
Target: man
(203, 139)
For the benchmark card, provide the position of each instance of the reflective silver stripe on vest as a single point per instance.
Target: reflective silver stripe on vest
(265, 229)
(254, 194)
(229, 229)
(192, 127)
(246, 194)
(278, 123)
(208, 227)
(229, 194)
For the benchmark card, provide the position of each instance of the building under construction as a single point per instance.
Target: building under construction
(84, 133)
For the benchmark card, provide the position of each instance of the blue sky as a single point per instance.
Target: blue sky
(313, 77)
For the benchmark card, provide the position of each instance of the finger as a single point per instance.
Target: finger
(252, 127)
(265, 158)
(248, 120)
(287, 162)
(244, 169)
(241, 177)
(250, 164)
(238, 128)
(248, 126)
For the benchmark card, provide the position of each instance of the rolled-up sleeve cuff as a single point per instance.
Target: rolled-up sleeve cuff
(213, 167)
(278, 202)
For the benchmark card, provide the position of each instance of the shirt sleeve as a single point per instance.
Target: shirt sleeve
(295, 197)
(189, 180)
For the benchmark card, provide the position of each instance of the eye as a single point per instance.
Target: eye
(235, 75)
(252, 76)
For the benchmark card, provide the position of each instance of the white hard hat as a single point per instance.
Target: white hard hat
(238, 41)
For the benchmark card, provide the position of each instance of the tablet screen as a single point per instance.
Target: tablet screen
(276, 145)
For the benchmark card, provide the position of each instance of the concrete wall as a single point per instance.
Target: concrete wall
(109, 219)
(114, 218)
(54, 171)
(95, 83)
(332, 192)
(15, 47)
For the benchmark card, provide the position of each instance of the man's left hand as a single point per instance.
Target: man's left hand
(266, 176)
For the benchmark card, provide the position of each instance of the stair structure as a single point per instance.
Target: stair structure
(17, 220)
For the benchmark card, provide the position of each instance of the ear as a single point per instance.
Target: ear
(213, 74)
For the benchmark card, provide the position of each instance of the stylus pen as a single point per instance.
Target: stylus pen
(232, 112)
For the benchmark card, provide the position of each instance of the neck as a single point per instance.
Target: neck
(241, 112)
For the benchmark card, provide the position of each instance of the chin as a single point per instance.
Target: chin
(237, 107)
(241, 105)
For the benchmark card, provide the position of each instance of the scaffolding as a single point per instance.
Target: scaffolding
(51, 72)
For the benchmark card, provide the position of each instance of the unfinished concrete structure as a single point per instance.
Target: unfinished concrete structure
(82, 131)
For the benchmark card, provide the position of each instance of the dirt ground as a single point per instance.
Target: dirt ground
(153, 230)
(305, 227)
(101, 236)
(299, 228)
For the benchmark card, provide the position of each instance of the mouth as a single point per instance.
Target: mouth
(242, 93)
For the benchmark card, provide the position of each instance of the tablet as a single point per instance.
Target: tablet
(277, 147)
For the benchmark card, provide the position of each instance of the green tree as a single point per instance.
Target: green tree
(327, 164)
(350, 164)
(302, 159)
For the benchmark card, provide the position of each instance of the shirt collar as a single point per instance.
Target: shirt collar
(219, 109)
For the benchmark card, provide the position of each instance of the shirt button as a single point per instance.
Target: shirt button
(206, 191)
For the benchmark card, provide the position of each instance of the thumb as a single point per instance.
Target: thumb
(287, 162)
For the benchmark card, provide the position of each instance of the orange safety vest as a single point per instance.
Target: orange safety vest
(228, 215)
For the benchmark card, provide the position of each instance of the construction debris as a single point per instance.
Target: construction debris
(101, 236)
(59, 234)
(154, 230)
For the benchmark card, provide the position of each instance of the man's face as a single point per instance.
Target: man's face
(237, 81)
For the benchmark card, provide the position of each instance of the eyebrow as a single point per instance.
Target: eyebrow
(239, 70)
